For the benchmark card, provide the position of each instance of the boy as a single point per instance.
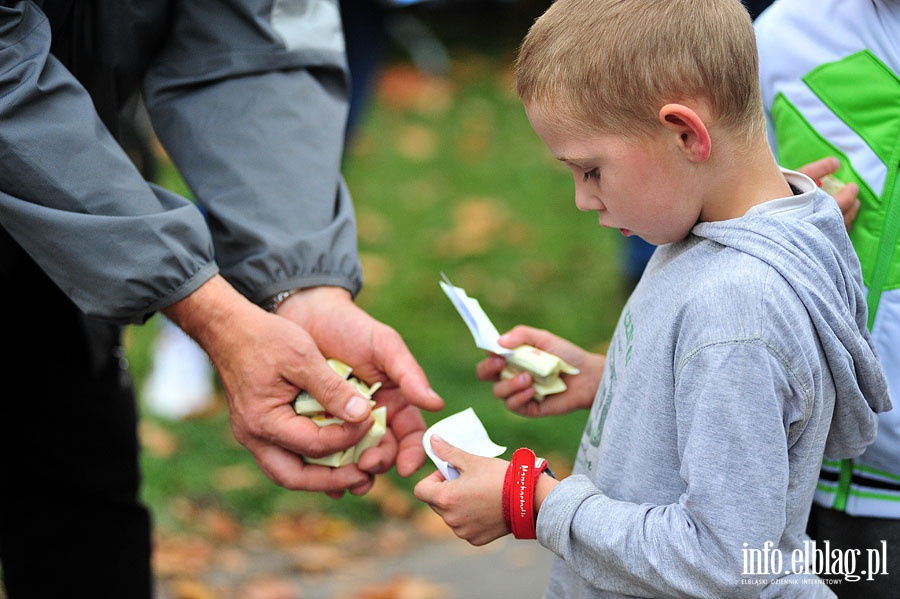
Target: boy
(740, 359)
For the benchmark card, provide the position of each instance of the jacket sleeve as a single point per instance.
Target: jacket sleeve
(69, 195)
(249, 98)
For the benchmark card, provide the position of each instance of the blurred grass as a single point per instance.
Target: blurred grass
(447, 176)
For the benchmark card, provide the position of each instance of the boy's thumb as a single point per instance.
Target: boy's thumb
(444, 450)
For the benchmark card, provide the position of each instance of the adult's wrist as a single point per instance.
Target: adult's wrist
(211, 308)
(272, 303)
(304, 304)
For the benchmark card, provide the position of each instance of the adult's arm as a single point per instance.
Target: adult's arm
(249, 98)
(120, 248)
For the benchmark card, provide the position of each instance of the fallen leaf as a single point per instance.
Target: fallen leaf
(270, 587)
(372, 227)
(417, 143)
(506, 82)
(430, 525)
(181, 555)
(391, 500)
(404, 87)
(404, 587)
(190, 589)
(477, 223)
(236, 477)
(232, 559)
(292, 529)
(376, 269)
(477, 129)
(317, 558)
(220, 525)
(393, 539)
(156, 440)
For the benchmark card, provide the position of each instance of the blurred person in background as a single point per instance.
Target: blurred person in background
(829, 74)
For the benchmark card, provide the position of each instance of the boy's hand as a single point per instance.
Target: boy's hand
(847, 198)
(470, 505)
(518, 393)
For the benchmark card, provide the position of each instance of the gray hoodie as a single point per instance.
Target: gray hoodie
(741, 358)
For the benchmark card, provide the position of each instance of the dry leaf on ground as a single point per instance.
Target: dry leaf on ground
(181, 555)
(393, 501)
(476, 227)
(292, 529)
(190, 589)
(270, 587)
(404, 587)
(156, 440)
(405, 87)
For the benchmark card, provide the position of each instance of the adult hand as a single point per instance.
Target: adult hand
(471, 504)
(263, 361)
(847, 198)
(518, 393)
(377, 353)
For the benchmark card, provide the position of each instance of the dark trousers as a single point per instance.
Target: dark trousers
(71, 523)
(851, 533)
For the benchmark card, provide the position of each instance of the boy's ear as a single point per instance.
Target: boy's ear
(690, 128)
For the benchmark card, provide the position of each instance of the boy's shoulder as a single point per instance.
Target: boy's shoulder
(714, 292)
(698, 270)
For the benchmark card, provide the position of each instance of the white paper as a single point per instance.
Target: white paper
(481, 327)
(465, 431)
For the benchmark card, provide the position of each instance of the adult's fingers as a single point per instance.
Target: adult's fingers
(288, 470)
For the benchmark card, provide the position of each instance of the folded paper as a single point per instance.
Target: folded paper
(306, 405)
(481, 327)
(465, 431)
(545, 368)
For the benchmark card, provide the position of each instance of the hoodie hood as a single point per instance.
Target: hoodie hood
(830, 288)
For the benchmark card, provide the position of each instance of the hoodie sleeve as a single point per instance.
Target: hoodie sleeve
(250, 100)
(72, 199)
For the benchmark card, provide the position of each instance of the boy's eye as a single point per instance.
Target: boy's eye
(592, 174)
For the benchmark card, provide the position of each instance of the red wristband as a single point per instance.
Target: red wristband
(518, 492)
(505, 495)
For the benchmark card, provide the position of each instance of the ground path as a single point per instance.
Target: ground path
(415, 558)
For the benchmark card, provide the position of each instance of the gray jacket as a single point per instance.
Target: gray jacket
(248, 97)
(741, 358)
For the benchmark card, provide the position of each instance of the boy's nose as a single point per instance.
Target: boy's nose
(585, 200)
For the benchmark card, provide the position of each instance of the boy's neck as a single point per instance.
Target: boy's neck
(743, 180)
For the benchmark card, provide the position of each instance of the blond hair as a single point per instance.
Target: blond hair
(610, 65)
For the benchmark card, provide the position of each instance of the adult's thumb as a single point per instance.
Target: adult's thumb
(339, 397)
